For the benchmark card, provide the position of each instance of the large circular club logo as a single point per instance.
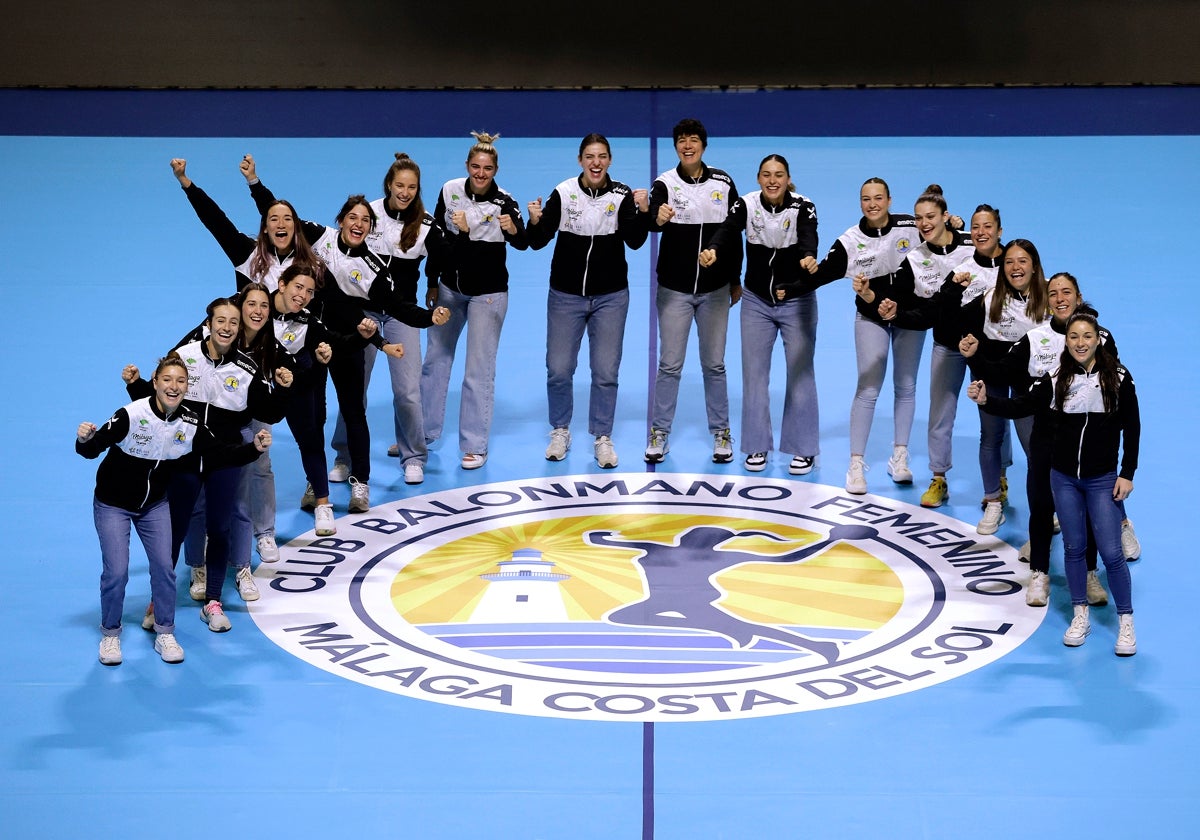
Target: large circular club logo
(650, 597)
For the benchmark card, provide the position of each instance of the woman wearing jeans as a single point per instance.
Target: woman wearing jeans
(595, 218)
(1093, 407)
(781, 236)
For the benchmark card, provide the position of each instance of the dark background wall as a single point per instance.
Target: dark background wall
(427, 45)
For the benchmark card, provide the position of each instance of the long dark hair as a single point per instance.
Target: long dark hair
(262, 347)
(411, 215)
(264, 251)
(1036, 300)
(1107, 367)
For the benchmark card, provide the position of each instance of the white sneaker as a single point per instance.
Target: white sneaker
(560, 442)
(110, 650)
(756, 462)
(199, 585)
(657, 447)
(722, 447)
(340, 472)
(473, 460)
(168, 648)
(309, 500)
(1038, 592)
(1024, 551)
(1077, 633)
(414, 472)
(898, 465)
(324, 521)
(801, 465)
(1126, 638)
(268, 551)
(245, 584)
(1096, 596)
(212, 615)
(606, 456)
(1130, 547)
(856, 478)
(993, 517)
(148, 618)
(360, 496)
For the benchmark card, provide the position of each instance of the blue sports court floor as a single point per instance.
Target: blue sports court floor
(359, 696)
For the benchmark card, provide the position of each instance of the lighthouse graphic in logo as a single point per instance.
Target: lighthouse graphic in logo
(526, 589)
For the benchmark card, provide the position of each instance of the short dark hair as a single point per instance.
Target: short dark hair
(690, 126)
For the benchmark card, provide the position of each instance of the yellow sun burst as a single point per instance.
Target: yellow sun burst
(843, 586)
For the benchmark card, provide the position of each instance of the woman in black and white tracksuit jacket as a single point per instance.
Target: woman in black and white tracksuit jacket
(227, 390)
(595, 219)
(943, 312)
(408, 235)
(687, 205)
(781, 233)
(992, 324)
(871, 253)
(481, 221)
(918, 283)
(146, 443)
(358, 280)
(1092, 407)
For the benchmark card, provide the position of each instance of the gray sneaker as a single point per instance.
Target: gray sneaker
(722, 447)
(560, 442)
(657, 446)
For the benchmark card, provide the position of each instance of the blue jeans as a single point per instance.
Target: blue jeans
(1078, 502)
(254, 514)
(406, 391)
(567, 317)
(795, 321)
(872, 342)
(992, 433)
(676, 311)
(482, 316)
(154, 530)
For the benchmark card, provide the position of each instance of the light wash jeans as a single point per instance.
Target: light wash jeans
(872, 342)
(1084, 501)
(795, 321)
(947, 370)
(483, 317)
(405, 372)
(603, 318)
(676, 312)
(154, 530)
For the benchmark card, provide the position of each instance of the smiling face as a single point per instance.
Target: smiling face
(402, 189)
(1018, 268)
(355, 224)
(1082, 341)
(481, 171)
(986, 233)
(296, 294)
(279, 226)
(875, 202)
(223, 328)
(773, 180)
(931, 222)
(256, 311)
(1064, 298)
(690, 149)
(595, 160)
(170, 386)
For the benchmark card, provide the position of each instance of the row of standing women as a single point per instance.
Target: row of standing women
(353, 291)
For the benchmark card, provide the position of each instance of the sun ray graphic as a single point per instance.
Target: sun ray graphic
(842, 587)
